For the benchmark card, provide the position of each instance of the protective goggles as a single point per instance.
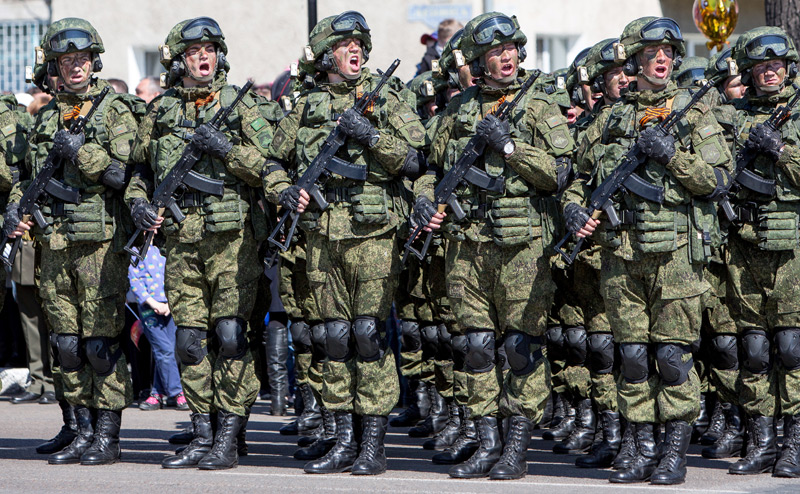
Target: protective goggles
(488, 29)
(687, 78)
(722, 63)
(581, 58)
(456, 38)
(200, 26)
(78, 38)
(344, 23)
(758, 48)
(607, 53)
(659, 28)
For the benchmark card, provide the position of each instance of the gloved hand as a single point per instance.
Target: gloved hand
(289, 198)
(656, 145)
(575, 217)
(144, 214)
(765, 140)
(66, 145)
(422, 212)
(496, 132)
(211, 141)
(11, 219)
(114, 175)
(358, 127)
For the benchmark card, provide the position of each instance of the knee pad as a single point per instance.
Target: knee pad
(755, 351)
(410, 337)
(459, 352)
(70, 352)
(635, 365)
(231, 338)
(788, 342)
(500, 355)
(444, 349)
(671, 367)
(575, 340)
(601, 352)
(369, 344)
(480, 355)
(725, 352)
(53, 340)
(556, 343)
(100, 356)
(337, 340)
(301, 336)
(521, 360)
(430, 341)
(318, 342)
(190, 345)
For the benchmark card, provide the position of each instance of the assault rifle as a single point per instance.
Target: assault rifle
(464, 170)
(623, 178)
(326, 163)
(742, 176)
(44, 182)
(181, 176)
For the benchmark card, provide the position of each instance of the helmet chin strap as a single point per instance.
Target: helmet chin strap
(189, 74)
(505, 80)
(655, 81)
(75, 87)
(772, 89)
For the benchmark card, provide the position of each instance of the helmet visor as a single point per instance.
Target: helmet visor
(456, 39)
(688, 78)
(200, 26)
(722, 61)
(661, 29)
(758, 48)
(488, 29)
(78, 38)
(348, 21)
(607, 53)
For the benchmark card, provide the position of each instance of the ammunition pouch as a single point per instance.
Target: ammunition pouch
(226, 213)
(705, 235)
(89, 220)
(370, 204)
(777, 226)
(656, 228)
(514, 221)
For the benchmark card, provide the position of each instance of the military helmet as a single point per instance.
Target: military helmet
(69, 35)
(762, 44)
(575, 74)
(452, 58)
(489, 30)
(425, 87)
(557, 87)
(327, 33)
(648, 31)
(692, 72)
(721, 65)
(599, 60)
(189, 32)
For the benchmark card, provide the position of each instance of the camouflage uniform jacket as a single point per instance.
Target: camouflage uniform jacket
(357, 209)
(13, 145)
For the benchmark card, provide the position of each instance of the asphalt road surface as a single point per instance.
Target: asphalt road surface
(270, 468)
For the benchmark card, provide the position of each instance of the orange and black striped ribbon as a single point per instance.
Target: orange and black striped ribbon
(370, 107)
(654, 114)
(204, 101)
(497, 105)
(72, 113)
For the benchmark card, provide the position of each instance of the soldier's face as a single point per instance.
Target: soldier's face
(201, 61)
(768, 76)
(616, 81)
(75, 69)
(465, 77)
(502, 62)
(348, 56)
(589, 96)
(733, 87)
(655, 63)
(573, 114)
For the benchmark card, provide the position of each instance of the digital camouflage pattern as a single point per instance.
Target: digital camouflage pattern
(363, 388)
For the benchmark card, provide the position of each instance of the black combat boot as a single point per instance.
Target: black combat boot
(311, 418)
(788, 464)
(105, 446)
(559, 410)
(627, 449)
(717, 426)
(344, 452)
(582, 436)
(490, 447)
(465, 444)
(700, 425)
(324, 442)
(547, 415)
(372, 457)
(418, 410)
(672, 467)
(277, 343)
(83, 440)
(65, 436)
(602, 456)
(241, 437)
(305, 441)
(449, 433)
(437, 415)
(565, 425)
(223, 454)
(512, 463)
(200, 445)
(762, 447)
(183, 437)
(731, 441)
(646, 459)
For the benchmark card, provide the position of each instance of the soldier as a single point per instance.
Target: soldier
(212, 266)
(762, 255)
(692, 73)
(497, 273)
(352, 250)
(83, 267)
(652, 262)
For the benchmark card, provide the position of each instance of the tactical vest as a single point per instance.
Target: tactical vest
(13, 143)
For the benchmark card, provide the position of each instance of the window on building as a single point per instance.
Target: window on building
(551, 52)
(17, 42)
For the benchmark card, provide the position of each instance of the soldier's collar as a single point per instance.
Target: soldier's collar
(347, 85)
(96, 85)
(649, 97)
(194, 93)
(770, 99)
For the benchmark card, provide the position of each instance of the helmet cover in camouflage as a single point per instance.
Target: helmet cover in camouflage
(425, 87)
(600, 58)
(334, 29)
(448, 60)
(69, 35)
(189, 32)
(648, 31)
(574, 74)
(763, 44)
(488, 31)
(719, 65)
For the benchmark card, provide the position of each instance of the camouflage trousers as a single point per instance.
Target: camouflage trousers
(502, 289)
(294, 287)
(657, 298)
(83, 294)
(717, 320)
(764, 293)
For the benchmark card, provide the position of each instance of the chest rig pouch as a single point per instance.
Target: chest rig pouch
(777, 226)
(89, 221)
(656, 227)
(370, 204)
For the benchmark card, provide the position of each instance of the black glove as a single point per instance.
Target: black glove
(575, 217)
(211, 141)
(765, 140)
(66, 145)
(423, 212)
(144, 214)
(496, 133)
(656, 145)
(114, 175)
(358, 127)
(289, 198)
(11, 219)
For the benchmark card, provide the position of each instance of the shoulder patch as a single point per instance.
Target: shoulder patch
(119, 129)
(554, 121)
(706, 132)
(9, 129)
(258, 124)
(710, 154)
(559, 138)
(407, 117)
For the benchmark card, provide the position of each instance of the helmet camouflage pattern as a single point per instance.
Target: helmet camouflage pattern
(448, 60)
(692, 71)
(762, 44)
(425, 87)
(574, 75)
(720, 65)
(648, 31)
(69, 35)
(559, 92)
(189, 32)
(489, 30)
(332, 30)
(600, 59)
